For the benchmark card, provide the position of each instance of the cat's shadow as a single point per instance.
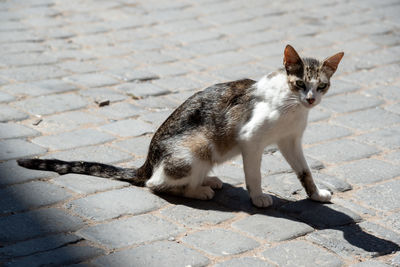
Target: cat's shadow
(317, 215)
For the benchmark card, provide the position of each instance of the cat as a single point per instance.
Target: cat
(223, 121)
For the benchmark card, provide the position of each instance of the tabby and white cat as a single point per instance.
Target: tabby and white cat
(220, 122)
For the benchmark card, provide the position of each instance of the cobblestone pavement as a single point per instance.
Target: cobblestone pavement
(92, 80)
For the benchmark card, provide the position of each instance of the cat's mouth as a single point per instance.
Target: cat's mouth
(308, 104)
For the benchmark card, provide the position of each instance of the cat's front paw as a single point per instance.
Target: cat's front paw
(262, 201)
(322, 195)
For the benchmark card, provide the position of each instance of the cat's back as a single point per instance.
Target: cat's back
(207, 107)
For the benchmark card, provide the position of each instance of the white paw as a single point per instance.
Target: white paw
(201, 192)
(322, 195)
(262, 201)
(213, 182)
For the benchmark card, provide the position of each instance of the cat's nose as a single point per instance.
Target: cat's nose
(310, 100)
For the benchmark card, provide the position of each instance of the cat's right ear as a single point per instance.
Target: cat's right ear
(292, 61)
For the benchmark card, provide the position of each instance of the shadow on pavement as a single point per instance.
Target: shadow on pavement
(333, 222)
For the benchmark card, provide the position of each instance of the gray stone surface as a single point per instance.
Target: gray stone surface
(8, 113)
(245, 261)
(128, 128)
(300, 253)
(386, 138)
(61, 256)
(272, 227)
(156, 118)
(118, 111)
(320, 215)
(32, 73)
(130, 231)
(68, 140)
(4, 97)
(97, 95)
(200, 215)
(11, 173)
(97, 153)
(17, 148)
(30, 195)
(160, 253)
(84, 184)
(370, 264)
(387, 236)
(365, 171)
(352, 241)
(67, 121)
(50, 104)
(116, 203)
(38, 88)
(350, 102)
(142, 90)
(91, 80)
(138, 145)
(36, 245)
(13, 130)
(341, 150)
(369, 119)
(23, 226)
(220, 242)
(388, 200)
(319, 132)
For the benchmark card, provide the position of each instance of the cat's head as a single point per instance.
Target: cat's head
(308, 77)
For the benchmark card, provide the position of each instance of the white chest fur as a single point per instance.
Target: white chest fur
(277, 114)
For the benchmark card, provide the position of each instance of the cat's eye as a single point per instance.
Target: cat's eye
(322, 86)
(300, 84)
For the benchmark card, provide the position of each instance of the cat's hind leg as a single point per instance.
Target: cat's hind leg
(183, 178)
(213, 181)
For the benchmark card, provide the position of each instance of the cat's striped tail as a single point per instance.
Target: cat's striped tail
(83, 167)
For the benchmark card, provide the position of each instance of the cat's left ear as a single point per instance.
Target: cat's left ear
(331, 63)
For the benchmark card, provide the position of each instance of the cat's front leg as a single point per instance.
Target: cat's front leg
(292, 151)
(252, 164)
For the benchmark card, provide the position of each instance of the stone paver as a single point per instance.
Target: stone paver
(160, 253)
(244, 261)
(321, 215)
(36, 245)
(272, 227)
(11, 173)
(30, 195)
(130, 231)
(83, 137)
(93, 80)
(220, 242)
(389, 190)
(8, 113)
(44, 105)
(98, 153)
(128, 128)
(13, 130)
(350, 241)
(300, 253)
(18, 148)
(197, 216)
(341, 151)
(366, 171)
(61, 256)
(116, 203)
(84, 184)
(27, 225)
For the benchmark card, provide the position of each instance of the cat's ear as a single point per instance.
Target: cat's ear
(292, 61)
(331, 63)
